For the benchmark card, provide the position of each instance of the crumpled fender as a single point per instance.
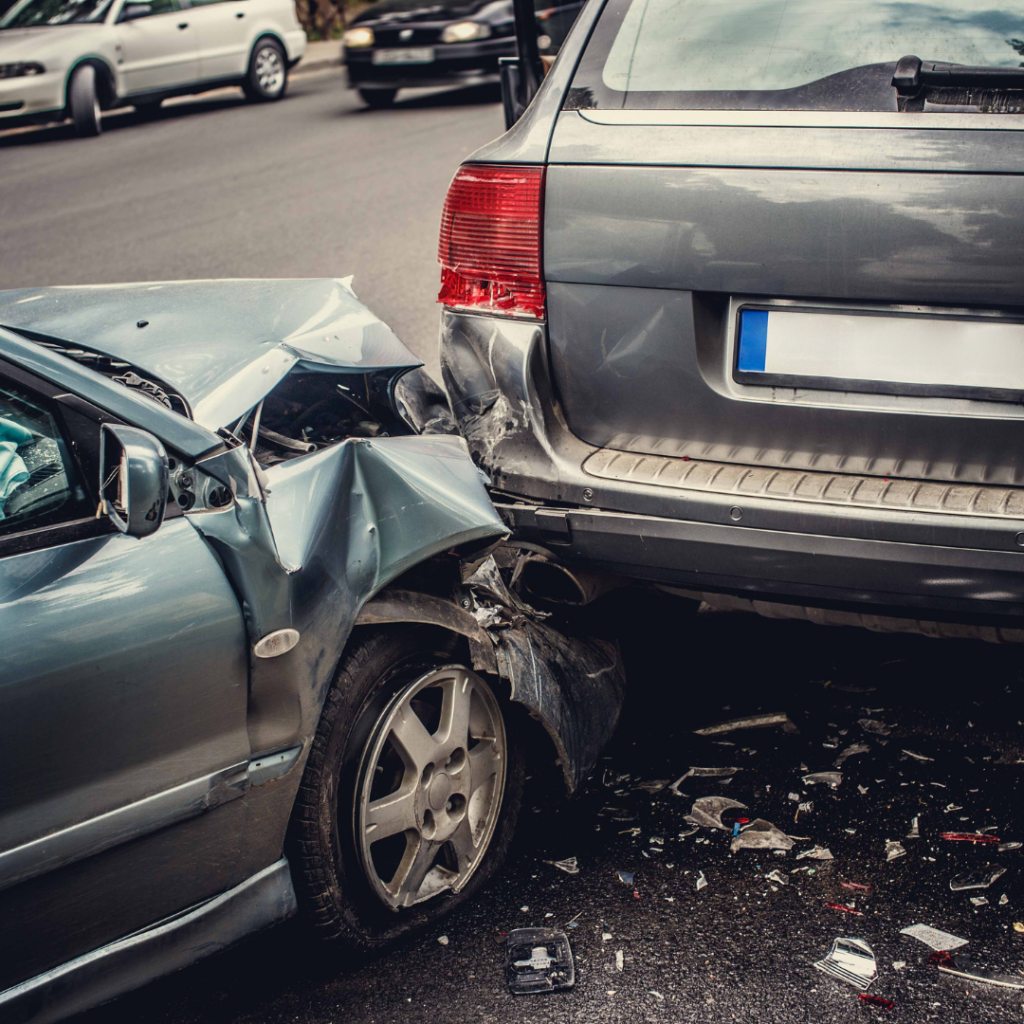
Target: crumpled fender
(574, 686)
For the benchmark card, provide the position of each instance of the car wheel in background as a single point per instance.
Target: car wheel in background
(378, 97)
(84, 101)
(268, 71)
(411, 791)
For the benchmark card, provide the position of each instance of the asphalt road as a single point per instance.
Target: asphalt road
(742, 947)
(313, 186)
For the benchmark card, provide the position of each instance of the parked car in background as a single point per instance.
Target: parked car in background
(402, 44)
(738, 307)
(257, 653)
(75, 58)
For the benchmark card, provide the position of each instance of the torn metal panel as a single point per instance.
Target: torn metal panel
(221, 345)
(573, 685)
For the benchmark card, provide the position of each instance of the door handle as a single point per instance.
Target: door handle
(239, 14)
(182, 24)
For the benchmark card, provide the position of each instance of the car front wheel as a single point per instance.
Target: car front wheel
(411, 790)
(83, 101)
(268, 72)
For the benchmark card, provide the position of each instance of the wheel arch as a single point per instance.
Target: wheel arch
(106, 83)
(269, 33)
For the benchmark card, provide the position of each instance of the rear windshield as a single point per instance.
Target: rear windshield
(787, 54)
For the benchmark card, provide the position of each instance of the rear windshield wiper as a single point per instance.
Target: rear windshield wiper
(912, 73)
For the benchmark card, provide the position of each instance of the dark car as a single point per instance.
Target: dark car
(401, 44)
(737, 308)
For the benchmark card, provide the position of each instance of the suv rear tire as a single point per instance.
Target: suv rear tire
(389, 680)
(84, 102)
(267, 78)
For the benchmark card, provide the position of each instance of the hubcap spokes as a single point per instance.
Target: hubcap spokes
(269, 72)
(430, 787)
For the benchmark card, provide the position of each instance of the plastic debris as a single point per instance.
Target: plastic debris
(657, 995)
(852, 961)
(443, 939)
(538, 960)
(620, 959)
(707, 811)
(886, 1004)
(816, 853)
(824, 778)
(917, 757)
(750, 722)
(950, 808)
(894, 850)
(617, 813)
(845, 909)
(1018, 926)
(1004, 847)
(569, 865)
(653, 786)
(761, 835)
(701, 881)
(852, 751)
(709, 773)
(915, 830)
(968, 837)
(964, 970)
(873, 726)
(777, 876)
(898, 965)
(626, 877)
(980, 901)
(688, 832)
(979, 878)
(934, 937)
(1003, 900)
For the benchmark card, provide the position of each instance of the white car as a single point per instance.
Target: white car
(74, 58)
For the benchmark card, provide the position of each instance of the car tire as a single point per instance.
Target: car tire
(267, 78)
(84, 102)
(378, 98)
(444, 833)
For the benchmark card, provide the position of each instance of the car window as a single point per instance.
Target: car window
(783, 54)
(38, 482)
(40, 13)
(162, 7)
(207, 3)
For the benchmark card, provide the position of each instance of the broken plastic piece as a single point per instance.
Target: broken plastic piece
(851, 751)
(886, 1004)
(845, 909)
(538, 960)
(1011, 845)
(959, 970)
(777, 876)
(894, 850)
(915, 830)
(917, 757)
(979, 878)
(569, 865)
(617, 813)
(654, 786)
(620, 959)
(934, 937)
(708, 810)
(816, 853)
(626, 877)
(750, 722)
(968, 837)
(852, 961)
(708, 773)
(827, 778)
(980, 901)
(856, 886)
(701, 881)
(761, 835)
(1018, 926)
(873, 726)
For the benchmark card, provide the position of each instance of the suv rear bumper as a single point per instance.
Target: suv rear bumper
(945, 562)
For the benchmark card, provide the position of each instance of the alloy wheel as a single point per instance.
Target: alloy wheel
(269, 70)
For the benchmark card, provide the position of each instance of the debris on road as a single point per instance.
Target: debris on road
(963, 970)
(894, 850)
(538, 960)
(701, 881)
(569, 865)
(934, 937)
(979, 878)
(775, 875)
(886, 1004)
(816, 853)
(707, 811)
(761, 835)
(843, 908)
(750, 722)
(1011, 845)
(917, 757)
(707, 773)
(653, 786)
(443, 939)
(852, 961)
(873, 726)
(852, 751)
(825, 778)
(915, 829)
(857, 886)
(968, 837)
(626, 877)
(620, 959)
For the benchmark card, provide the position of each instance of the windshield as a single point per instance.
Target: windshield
(32, 13)
(646, 51)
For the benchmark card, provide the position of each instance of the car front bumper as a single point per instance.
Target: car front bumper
(456, 61)
(938, 561)
(31, 97)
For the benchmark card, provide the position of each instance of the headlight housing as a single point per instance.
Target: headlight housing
(465, 32)
(358, 37)
(23, 69)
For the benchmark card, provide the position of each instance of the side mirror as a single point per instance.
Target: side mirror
(132, 11)
(133, 479)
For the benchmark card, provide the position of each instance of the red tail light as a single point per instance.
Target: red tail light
(489, 248)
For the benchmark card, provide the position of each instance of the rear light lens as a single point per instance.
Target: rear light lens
(490, 242)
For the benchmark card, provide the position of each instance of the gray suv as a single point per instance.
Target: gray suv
(736, 307)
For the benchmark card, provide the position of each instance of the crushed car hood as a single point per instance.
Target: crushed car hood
(221, 345)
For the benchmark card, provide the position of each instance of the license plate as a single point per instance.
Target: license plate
(929, 355)
(410, 55)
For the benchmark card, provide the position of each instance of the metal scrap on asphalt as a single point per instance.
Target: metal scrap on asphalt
(850, 960)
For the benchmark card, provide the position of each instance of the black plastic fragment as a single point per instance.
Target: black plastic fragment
(538, 960)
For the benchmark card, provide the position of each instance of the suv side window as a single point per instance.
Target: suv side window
(161, 7)
(39, 484)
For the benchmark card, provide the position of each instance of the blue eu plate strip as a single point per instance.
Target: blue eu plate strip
(753, 340)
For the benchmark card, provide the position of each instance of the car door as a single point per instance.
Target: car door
(223, 28)
(157, 50)
(123, 697)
